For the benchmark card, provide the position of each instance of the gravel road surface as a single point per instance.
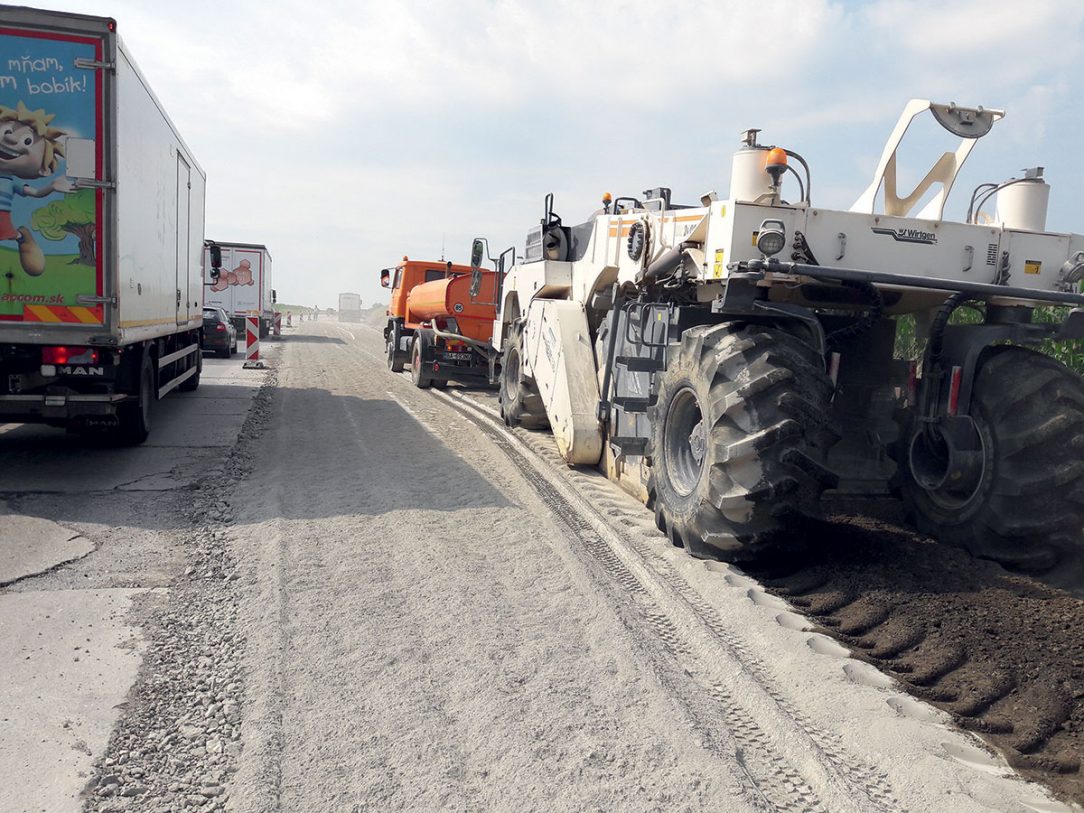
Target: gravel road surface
(438, 618)
(370, 597)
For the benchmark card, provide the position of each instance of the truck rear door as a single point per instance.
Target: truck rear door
(52, 160)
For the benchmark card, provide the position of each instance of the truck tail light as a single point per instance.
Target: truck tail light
(69, 355)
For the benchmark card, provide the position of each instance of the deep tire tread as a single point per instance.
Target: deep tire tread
(1029, 512)
(766, 397)
(520, 402)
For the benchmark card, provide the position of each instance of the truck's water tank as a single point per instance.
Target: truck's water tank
(429, 300)
(1023, 205)
(748, 178)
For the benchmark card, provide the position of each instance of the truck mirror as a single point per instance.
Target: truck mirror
(216, 259)
(385, 277)
(274, 296)
(477, 252)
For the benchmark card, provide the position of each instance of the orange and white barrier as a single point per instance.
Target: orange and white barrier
(252, 343)
(278, 325)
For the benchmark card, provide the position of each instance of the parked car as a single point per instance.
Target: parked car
(219, 334)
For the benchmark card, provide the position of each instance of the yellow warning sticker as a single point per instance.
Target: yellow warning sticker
(717, 268)
(756, 234)
(1032, 266)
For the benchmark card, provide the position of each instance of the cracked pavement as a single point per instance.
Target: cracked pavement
(91, 538)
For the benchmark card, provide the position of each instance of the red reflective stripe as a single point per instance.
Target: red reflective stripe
(954, 390)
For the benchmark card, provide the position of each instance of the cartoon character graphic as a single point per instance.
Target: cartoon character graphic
(29, 148)
(241, 275)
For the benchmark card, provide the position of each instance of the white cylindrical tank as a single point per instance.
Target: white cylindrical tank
(748, 179)
(1023, 205)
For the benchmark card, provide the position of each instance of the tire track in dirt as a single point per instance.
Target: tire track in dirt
(999, 652)
(782, 784)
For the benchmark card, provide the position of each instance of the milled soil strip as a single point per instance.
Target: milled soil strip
(1002, 653)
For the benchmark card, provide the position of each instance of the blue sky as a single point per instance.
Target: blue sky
(346, 134)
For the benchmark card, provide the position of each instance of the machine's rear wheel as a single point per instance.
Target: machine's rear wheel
(741, 433)
(520, 402)
(418, 374)
(1027, 510)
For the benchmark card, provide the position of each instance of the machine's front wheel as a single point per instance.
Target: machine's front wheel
(1026, 510)
(741, 432)
(520, 402)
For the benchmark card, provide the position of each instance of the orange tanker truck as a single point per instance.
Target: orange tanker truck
(440, 321)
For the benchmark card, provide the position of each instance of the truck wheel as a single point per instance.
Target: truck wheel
(192, 384)
(134, 418)
(1027, 511)
(418, 374)
(520, 403)
(395, 359)
(741, 432)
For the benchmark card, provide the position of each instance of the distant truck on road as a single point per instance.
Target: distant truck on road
(349, 308)
(243, 288)
(101, 231)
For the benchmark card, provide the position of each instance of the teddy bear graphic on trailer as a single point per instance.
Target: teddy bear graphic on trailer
(241, 275)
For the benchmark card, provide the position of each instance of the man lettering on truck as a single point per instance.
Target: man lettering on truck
(29, 148)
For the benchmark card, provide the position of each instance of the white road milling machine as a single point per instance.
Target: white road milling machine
(731, 362)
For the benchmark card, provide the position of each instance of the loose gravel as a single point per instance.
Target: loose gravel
(178, 742)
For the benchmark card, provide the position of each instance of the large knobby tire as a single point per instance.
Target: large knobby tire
(1027, 511)
(520, 402)
(418, 374)
(741, 432)
(134, 417)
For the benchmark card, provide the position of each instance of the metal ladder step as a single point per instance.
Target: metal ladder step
(630, 445)
(640, 364)
(634, 404)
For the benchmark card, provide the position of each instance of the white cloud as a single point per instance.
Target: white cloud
(345, 134)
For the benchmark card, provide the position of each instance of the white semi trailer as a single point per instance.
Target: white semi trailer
(242, 287)
(101, 231)
(732, 361)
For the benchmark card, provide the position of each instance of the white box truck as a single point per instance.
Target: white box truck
(349, 307)
(243, 287)
(101, 231)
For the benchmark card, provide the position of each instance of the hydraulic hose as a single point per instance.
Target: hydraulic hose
(485, 348)
(865, 323)
(931, 363)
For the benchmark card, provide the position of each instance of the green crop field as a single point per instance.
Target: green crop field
(59, 284)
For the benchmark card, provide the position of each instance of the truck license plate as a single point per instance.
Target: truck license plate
(457, 357)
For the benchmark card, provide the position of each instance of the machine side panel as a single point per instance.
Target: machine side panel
(561, 359)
